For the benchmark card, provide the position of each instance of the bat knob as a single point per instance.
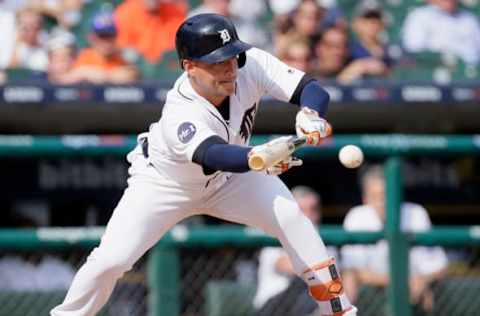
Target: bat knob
(256, 163)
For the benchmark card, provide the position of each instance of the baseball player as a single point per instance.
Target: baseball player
(194, 160)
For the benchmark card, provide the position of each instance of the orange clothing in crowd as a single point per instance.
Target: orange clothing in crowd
(90, 57)
(150, 33)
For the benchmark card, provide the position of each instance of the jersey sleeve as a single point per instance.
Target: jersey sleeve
(273, 77)
(183, 136)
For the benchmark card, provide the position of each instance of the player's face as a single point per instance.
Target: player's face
(213, 81)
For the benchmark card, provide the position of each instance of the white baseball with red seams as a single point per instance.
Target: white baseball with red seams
(351, 156)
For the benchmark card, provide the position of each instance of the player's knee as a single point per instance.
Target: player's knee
(326, 288)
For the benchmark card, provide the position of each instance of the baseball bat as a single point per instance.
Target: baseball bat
(274, 154)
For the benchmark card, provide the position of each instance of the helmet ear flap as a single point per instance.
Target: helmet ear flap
(242, 59)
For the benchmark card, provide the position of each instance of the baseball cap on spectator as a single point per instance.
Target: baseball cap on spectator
(103, 24)
(369, 9)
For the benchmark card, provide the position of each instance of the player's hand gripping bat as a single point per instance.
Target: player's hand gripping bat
(269, 154)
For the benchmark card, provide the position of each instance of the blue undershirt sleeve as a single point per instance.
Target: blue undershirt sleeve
(309, 93)
(315, 97)
(215, 154)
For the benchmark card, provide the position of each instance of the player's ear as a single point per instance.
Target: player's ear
(188, 65)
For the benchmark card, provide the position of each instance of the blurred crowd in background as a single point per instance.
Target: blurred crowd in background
(125, 41)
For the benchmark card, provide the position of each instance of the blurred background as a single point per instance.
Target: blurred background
(79, 78)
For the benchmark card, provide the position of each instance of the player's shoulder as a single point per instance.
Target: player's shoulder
(257, 57)
(180, 98)
(255, 52)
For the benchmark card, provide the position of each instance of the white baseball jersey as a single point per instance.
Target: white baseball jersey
(188, 119)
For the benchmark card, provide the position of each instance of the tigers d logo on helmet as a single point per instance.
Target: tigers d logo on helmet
(225, 36)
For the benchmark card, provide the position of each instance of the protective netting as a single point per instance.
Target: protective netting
(222, 282)
(32, 283)
(214, 282)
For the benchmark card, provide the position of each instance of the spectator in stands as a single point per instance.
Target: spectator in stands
(298, 55)
(243, 13)
(22, 44)
(149, 26)
(279, 290)
(61, 57)
(331, 53)
(303, 24)
(67, 13)
(443, 27)
(7, 25)
(368, 264)
(368, 27)
(333, 59)
(102, 62)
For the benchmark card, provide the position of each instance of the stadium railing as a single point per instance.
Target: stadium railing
(166, 278)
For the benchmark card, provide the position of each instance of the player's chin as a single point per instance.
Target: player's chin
(227, 87)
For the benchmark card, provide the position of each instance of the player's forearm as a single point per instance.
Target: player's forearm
(215, 154)
(309, 93)
(226, 157)
(315, 97)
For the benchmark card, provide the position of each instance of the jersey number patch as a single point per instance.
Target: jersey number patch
(247, 123)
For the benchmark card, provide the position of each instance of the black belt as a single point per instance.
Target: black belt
(144, 144)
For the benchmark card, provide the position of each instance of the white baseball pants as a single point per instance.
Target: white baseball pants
(151, 205)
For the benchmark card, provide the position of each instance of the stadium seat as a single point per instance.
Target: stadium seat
(229, 298)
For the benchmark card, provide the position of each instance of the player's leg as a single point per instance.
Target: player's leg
(145, 212)
(265, 202)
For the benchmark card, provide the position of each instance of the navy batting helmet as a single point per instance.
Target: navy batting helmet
(209, 38)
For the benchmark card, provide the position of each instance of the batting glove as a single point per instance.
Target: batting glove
(284, 166)
(310, 125)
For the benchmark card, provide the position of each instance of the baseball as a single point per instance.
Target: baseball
(350, 156)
